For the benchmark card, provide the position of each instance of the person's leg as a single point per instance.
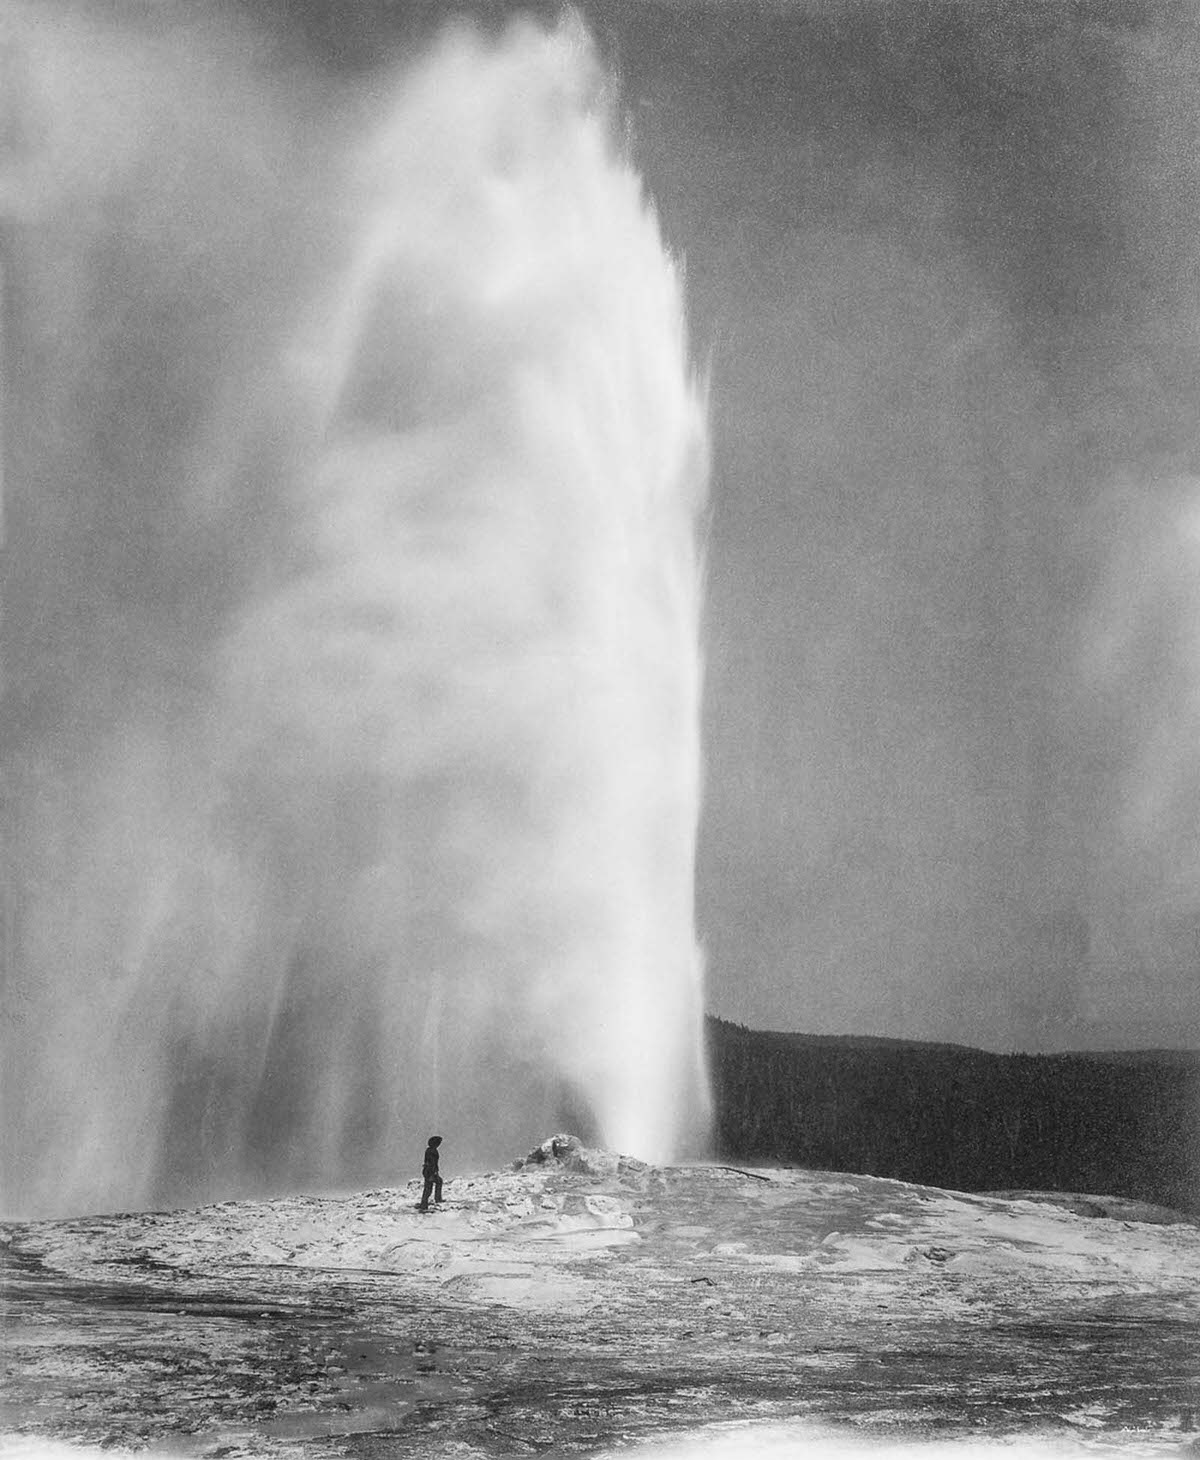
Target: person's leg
(437, 1189)
(423, 1204)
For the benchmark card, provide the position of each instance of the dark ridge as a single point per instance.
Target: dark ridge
(846, 1041)
(1121, 1122)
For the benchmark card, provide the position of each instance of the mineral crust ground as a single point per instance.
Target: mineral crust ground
(558, 1310)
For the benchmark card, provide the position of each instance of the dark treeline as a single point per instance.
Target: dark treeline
(944, 1115)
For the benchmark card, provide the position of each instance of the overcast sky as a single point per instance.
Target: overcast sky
(942, 260)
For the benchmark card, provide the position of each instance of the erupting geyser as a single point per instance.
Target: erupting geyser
(353, 469)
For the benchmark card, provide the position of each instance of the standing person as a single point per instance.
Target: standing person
(429, 1170)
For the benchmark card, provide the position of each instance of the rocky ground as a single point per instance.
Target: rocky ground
(584, 1304)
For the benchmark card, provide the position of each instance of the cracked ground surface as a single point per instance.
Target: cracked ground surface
(550, 1311)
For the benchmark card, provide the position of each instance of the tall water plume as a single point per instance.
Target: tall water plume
(351, 766)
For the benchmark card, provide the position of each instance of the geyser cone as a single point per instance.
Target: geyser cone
(366, 800)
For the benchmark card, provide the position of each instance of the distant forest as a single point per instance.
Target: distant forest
(1121, 1124)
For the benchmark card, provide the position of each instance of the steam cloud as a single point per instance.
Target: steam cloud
(354, 464)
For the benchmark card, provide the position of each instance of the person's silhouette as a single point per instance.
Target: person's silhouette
(429, 1170)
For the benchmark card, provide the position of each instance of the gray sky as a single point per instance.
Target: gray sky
(943, 260)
